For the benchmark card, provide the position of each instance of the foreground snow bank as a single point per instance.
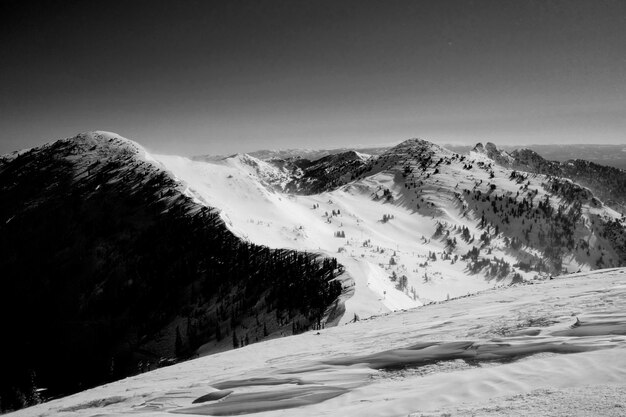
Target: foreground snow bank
(552, 348)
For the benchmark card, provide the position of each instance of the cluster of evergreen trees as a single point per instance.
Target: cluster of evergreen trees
(607, 183)
(326, 173)
(387, 217)
(554, 233)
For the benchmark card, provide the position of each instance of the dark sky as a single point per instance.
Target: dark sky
(194, 77)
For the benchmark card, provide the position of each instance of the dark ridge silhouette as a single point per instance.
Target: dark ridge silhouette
(108, 268)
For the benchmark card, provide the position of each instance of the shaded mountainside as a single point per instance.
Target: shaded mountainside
(607, 183)
(326, 173)
(107, 266)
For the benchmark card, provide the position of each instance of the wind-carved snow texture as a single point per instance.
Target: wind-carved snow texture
(548, 342)
(415, 356)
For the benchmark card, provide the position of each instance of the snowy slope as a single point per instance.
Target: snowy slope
(556, 347)
(403, 217)
(287, 221)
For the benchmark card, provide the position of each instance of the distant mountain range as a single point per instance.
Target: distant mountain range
(310, 154)
(609, 155)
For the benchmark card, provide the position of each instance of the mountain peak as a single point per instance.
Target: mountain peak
(478, 148)
(491, 151)
(491, 147)
(418, 142)
(100, 141)
(417, 146)
(102, 136)
(488, 147)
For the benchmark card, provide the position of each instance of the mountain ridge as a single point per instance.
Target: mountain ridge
(323, 242)
(111, 261)
(419, 181)
(608, 183)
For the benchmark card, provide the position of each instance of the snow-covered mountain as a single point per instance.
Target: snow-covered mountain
(234, 243)
(608, 183)
(418, 223)
(110, 267)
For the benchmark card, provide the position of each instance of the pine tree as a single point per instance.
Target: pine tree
(218, 332)
(190, 332)
(178, 345)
